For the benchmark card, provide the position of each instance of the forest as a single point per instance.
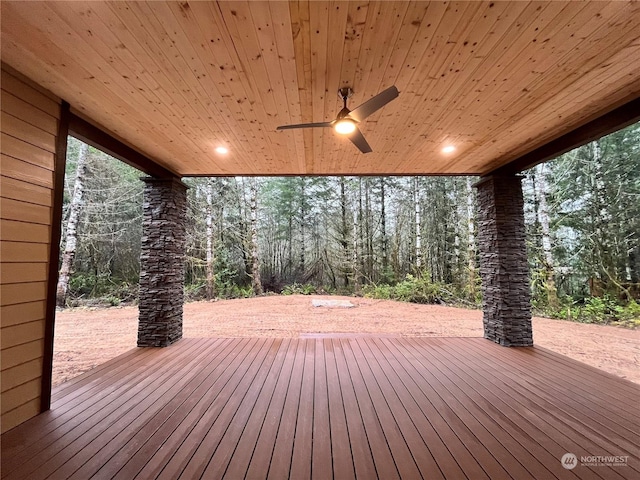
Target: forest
(404, 238)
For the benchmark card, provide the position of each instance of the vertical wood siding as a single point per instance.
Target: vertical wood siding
(29, 129)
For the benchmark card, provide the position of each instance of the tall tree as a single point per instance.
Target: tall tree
(471, 240)
(541, 186)
(417, 223)
(210, 259)
(256, 283)
(71, 237)
(343, 232)
(383, 228)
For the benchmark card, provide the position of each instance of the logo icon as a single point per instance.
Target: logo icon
(569, 461)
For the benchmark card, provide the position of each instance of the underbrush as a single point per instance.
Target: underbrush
(604, 310)
(302, 289)
(421, 290)
(106, 294)
(227, 291)
(599, 310)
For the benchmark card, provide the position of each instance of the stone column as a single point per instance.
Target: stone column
(162, 262)
(504, 270)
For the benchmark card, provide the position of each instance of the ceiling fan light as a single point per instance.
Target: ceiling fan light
(345, 126)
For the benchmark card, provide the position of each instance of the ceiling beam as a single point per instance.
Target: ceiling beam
(98, 138)
(623, 116)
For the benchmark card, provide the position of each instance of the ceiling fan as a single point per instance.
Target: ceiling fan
(346, 123)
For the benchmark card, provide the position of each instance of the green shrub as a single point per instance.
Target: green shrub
(382, 292)
(418, 290)
(194, 291)
(112, 301)
(234, 291)
(631, 311)
(81, 284)
(600, 310)
(299, 289)
(411, 289)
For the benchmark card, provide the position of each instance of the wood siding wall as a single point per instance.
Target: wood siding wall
(29, 127)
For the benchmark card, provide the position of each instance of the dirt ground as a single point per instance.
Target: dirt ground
(85, 337)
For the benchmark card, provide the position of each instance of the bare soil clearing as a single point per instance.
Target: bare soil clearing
(85, 337)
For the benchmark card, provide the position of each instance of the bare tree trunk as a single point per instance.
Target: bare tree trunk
(362, 267)
(244, 223)
(368, 234)
(543, 219)
(289, 269)
(211, 283)
(303, 222)
(383, 228)
(344, 234)
(356, 273)
(71, 239)
(416, 204)
(471, 240)
(256, 284)
(605, 239)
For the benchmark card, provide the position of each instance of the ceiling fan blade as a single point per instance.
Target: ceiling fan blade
(359, 141)
(375, 103)
(305, 125)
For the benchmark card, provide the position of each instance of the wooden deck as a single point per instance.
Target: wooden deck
(363, 407)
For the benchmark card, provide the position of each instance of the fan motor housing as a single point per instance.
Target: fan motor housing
(343, 113)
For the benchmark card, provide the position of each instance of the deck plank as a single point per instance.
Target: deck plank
(360, 447)
(331, 407)
(575, 407)
(418, 450)
(255, 462)
(563, 424)
(380, 449)
(17, 439)
(110, 458)
(493, 414)
(614, 423)
(403, 457)
(625, 389)
(280, 461)
(193, 454)
(321, 459)
(137, 416)
(475, 438)
(340, 444)
(69, 429)
(150, 459)
(233, 455)
(444, 458)
(609, 396)
(303, 436)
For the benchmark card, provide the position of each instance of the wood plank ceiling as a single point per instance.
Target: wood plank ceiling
(177, 79)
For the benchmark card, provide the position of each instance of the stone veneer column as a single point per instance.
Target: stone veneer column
(162, 262)
(504, 270)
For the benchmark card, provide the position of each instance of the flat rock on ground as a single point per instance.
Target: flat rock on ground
(323, 302)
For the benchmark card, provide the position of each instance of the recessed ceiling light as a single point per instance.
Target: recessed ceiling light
(222, 150)
(449, 149)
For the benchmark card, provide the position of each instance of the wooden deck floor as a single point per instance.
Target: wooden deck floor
(364, 407)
